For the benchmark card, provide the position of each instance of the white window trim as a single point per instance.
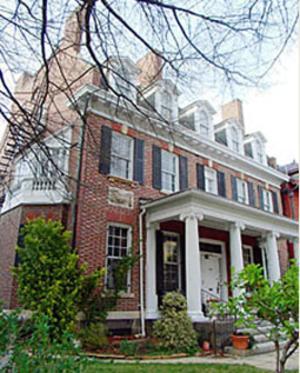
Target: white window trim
(174, 234)
(131, 160)
(265, 192)
(239, 186)
(129, 245)
(214, 173)
(250, 248)
(176, 174)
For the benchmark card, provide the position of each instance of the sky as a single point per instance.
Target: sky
(273, 111)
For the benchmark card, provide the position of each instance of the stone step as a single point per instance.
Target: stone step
(259, 330)
(259, 338)
(261, 348)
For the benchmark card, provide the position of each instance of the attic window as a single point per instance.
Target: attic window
(248, 150)
(259, 152)
(204, 123)
(235, 139)
(221, 137)
(166, 105)
(188, 121)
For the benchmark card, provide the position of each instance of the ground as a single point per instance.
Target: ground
(251, 364)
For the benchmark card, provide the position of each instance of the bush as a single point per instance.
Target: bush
(175, 329)
(129, 348)
(49, 278)
(93, 336)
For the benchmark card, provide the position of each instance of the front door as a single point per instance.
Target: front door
(211, 273)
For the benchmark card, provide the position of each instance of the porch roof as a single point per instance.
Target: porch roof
(218, 209)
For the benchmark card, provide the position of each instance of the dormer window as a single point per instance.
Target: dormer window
(235, 139)
(259, 152)
(166, 105)
(255, 147)
(204, 123)
(124, 82)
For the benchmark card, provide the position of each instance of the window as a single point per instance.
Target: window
(171, 250)
(121, 155)
(118, 244)
(169, 172)
(242, 191)
(267, 201)
(166, 105)
(247, 255)
(204, 123)
(248, 150)
(123, 82)
(259, 152)
(210, 180)
(235, 139)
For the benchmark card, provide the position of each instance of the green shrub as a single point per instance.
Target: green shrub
(49, 278)
(128, 348)
(175, 329)
(93, 336)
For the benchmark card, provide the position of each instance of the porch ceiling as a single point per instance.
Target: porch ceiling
(219, 213)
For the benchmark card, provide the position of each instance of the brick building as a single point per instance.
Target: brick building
(195, 198)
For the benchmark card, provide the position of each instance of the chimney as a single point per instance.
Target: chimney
(234, 110)
(151, 69)
(272, 162)
(73, 30)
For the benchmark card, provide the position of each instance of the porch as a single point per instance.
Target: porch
(195, 238)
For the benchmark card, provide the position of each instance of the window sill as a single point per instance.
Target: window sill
(118, 180)
(127, 295)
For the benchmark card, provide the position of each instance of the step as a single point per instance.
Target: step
(259, 330)
(260, 338)
(260, 348)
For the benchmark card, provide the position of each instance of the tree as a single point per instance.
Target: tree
(201, 45)
(48, 275)
(276, 303)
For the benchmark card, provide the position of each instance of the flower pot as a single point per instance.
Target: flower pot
(240, 342)
(206, 346)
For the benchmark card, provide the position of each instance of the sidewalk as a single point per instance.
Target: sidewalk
(263, 361)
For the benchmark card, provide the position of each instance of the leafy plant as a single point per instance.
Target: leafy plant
(49, 278)
(278, 304)
(128, 348)
(175, 329)
(93, 336)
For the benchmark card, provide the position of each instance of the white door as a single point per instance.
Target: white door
(211, 273)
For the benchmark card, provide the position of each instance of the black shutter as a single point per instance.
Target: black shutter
(260, 196)
(234, 188)
(183, 173)
(251, 194)
(257, 255)
(138, 167)
(200, 177)
(156, 167)
(275, 202)
(182, 257)
(221, 184)
(105, 150)
(159, 266)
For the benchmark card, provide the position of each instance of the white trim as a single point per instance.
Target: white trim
(186, 139)
(123, 315)
(224, 288)
(125, 294)
(250, 248)
(219, 209)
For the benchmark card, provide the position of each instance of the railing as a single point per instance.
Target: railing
(208, 298)
(44, 184)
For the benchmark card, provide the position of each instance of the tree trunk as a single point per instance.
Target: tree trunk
(277, 349)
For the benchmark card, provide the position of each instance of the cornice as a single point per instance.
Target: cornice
(179, 135)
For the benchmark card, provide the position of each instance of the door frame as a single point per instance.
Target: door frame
(224, 288)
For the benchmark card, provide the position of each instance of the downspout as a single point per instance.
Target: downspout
(141, 244)
(79, 173)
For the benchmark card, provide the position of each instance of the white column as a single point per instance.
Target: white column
(236, 250)
(192, 265)
(151, 297)
(272, 256)
(296, 249)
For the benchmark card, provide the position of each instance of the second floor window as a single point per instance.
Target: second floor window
(121, 155)
(267, 200)
(242, 191)
(210, 180)
(169, 171)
